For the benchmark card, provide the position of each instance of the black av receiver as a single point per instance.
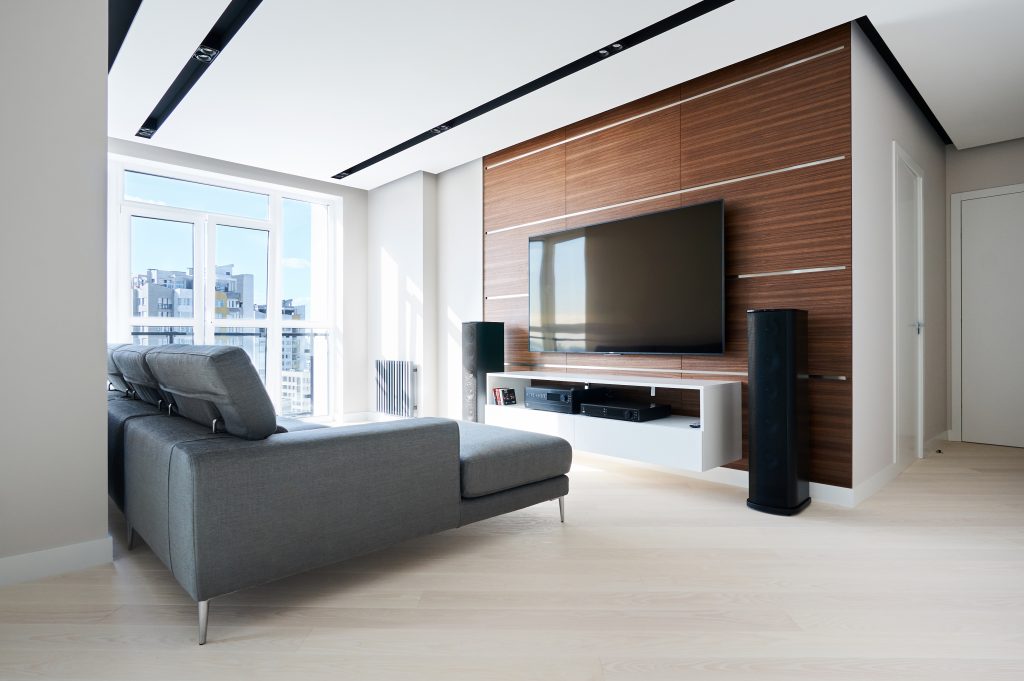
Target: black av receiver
(627, 411)
(562, 400)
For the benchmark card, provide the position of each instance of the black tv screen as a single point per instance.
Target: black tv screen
(650, 284)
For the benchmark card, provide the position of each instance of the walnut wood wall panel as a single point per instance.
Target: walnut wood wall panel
(629, 161)
(788, 111)
(532, 188)
(782, 119)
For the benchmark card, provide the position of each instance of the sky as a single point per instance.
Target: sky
(167, 245)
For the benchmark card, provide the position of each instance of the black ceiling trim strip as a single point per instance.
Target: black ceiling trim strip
(901, 75)
(120, 15)
(667, 24)
(231, 20)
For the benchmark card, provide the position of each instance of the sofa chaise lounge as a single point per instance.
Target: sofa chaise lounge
(228, 497)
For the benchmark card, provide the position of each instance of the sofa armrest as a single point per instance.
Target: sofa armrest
(242, 513)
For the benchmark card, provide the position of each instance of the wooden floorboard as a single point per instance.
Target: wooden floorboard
(653, 576)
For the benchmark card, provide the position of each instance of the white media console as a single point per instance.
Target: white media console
(672, 442)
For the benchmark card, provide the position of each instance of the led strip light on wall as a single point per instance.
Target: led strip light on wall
(677, 192)
(667, 106)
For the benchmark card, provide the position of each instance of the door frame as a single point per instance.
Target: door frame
(900, 155)
(956, 297)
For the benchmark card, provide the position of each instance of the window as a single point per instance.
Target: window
(207, 198)
(215, 256)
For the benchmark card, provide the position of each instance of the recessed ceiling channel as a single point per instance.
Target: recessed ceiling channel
(667, 24)
(231, 20)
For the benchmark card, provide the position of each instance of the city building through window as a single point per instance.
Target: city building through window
(230, 264)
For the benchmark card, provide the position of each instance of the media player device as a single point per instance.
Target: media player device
(627, 411)
(563, 400)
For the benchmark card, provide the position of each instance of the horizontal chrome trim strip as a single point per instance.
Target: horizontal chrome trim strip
(666, 106)
(677, 192)
(691, 372)
(808, 270)
(506, 297)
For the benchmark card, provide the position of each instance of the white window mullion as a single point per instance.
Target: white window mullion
(208, 258)
(274, 347)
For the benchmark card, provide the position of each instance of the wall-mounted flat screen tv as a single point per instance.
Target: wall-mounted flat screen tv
(650, 284)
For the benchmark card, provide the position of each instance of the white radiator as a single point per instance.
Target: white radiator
(396, 387)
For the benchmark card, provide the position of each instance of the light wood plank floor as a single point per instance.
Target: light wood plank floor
(653, 576)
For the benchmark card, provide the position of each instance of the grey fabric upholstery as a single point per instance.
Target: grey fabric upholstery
(149, 445)
(210, 382)
(481, 508)
(131, 360)
(495, 459)
(229, 510)
(225, 513)
(120, 410)
(113, 373)
(290, 425)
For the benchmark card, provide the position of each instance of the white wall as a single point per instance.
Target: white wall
(53, 136)
(402, 279)
(883, 112)
(352, 345)
(460, 265)
(993, 165)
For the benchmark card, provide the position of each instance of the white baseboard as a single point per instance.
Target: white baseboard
(879, 480)
(39, 564)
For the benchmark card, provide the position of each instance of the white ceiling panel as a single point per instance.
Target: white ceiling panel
(315, 86)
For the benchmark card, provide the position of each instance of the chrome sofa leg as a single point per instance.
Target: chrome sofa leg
(204, 612)
(131, 537)
(561, 508)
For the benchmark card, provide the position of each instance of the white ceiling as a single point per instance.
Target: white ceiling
(311, 87)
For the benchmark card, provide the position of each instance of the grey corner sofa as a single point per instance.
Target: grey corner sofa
(229, 496)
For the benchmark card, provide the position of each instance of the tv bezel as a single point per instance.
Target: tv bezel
(721, 232)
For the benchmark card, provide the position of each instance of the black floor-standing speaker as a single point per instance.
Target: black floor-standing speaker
(777, 408)
(483, 350)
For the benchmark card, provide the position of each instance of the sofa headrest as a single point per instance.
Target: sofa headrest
(219, 382)
(114, 375)
(131, 360)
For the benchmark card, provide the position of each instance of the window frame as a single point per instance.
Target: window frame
(120, 319)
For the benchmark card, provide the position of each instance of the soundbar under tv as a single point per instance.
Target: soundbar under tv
(649, 284)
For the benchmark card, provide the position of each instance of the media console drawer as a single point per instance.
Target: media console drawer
(666, 442)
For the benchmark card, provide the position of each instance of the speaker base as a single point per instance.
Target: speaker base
(779, 510)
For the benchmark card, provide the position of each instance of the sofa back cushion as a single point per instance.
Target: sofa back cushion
(114, 375)
(215, 382)
(131, 361)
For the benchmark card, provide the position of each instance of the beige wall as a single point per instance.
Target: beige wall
(53, 171)
(993, 165)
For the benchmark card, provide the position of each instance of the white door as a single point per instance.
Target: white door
(908, 315)
(992, 319)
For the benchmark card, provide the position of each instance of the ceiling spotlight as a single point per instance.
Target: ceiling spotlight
(145, 132)
(439, 129)
(205, 54)
(341, 176)
(603, 53)
(616, 46)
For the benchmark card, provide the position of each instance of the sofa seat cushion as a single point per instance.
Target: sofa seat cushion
(494, 459)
